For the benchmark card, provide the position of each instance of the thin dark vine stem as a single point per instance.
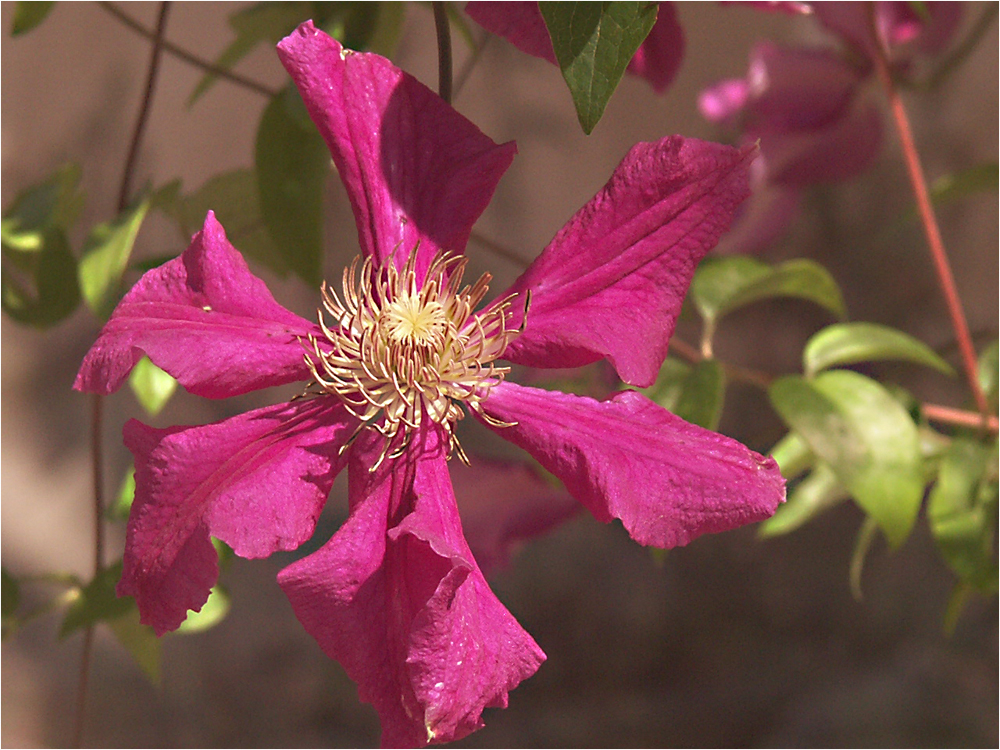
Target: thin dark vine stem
(97, 403)
(470, 64)
(929, 220)
(966, 48)
(182, 54)
(443, 29)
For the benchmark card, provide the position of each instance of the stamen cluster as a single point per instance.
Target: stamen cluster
(398, 353)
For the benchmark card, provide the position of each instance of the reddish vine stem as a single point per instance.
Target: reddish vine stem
(97, 404)
(928, 218)
(959, 417)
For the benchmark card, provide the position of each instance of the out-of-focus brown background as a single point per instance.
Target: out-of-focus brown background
(730, 641)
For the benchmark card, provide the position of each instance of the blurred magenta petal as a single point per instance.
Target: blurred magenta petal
(723, 102)
(668, 481)
(257, 481)
(612, 281)
(843, 149)
(657, 60)
(899, 26)
(503, 503)
(415, 170)
(396, 597)
(763, 218)
(796, 89)
(205, 319)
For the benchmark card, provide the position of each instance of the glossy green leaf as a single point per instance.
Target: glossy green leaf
(55, 203)
(151, 386)
(119, 509)
(849, 343)
(140, 641)
(988, 373)
(594, 43)
(211, 614)
(96, 602)
(669, 383)
(867, 438)
(722, 285)
(703, 394)
(292, 165)
(793, 455)
(816, 493)
(105, 258)
(40, 288)
(962, 512)
(27, 15)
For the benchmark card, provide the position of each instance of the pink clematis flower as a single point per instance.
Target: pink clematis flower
(401, 355)
(656, 61)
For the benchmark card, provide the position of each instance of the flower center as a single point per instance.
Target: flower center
(398, 354)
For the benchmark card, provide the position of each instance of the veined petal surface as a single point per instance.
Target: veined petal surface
(206, 320)
(396, 597)
(257, 481)
(667, 480)
(612, 281)
(415, 170)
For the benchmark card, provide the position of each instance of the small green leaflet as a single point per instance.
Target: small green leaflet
(694, 393)
(594, 43)
(810, 497)
(722, 285)
(867, 438)
(119, 509)
(55, 203)
(988, 373)
(140, 641)
(151, 386)
(105, 258)
(27, 15)
(292, 166)
(211, 613)
(849, 343)
(97, 601)
(962, 511)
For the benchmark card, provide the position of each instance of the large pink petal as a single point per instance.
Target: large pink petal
(257, 481)
(612, 281)
(205, 319)
(667, 480)
(415, 170)
(657, 60)
(396, 597)
(503, 503)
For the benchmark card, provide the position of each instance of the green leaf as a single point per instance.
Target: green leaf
(53, 204)
(976, 179)
(105, 258)
(702, 395)
(956, 603)
(962, 512)
(866, 535)
(27, 15)
(988, 373)
(52, 271)
(669, 383)
(292, 165)
(122, 505)
(151, 386)
(140, 641)
(11, 600)
(867, 438)
(848, 343)
(594, 43)
(97, 601)
(263, 22)
(793, 455)
(234, 198)
(722, 285)
(211, 614)
(816, 493)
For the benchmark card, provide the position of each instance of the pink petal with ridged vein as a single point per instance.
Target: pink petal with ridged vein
(415, 170)
(205, 319)
(258, 481)
(667, 480)
(612, 281)
(396, 597)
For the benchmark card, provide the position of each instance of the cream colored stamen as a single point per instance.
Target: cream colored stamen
(398, 354)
